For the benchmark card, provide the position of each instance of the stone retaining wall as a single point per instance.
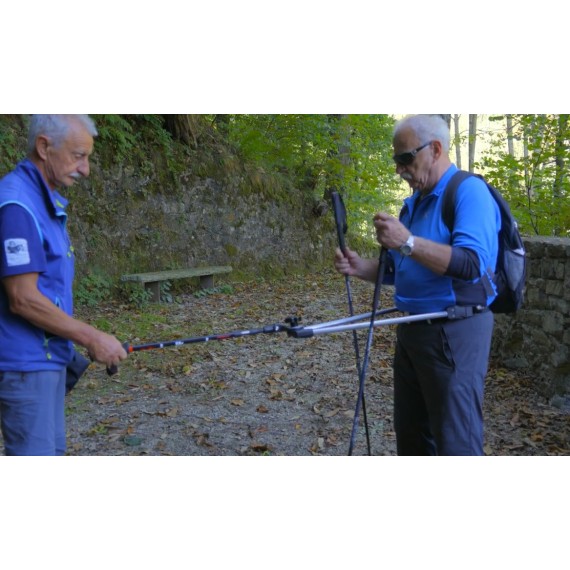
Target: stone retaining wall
(537, 338)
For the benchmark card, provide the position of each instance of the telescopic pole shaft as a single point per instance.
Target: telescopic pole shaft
(306, 332)
(366, 359)
(341, 228)
(208, 338)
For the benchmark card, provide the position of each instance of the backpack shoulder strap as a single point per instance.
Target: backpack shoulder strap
(448, 206)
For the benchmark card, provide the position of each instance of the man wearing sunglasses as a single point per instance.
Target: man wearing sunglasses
(439, 365)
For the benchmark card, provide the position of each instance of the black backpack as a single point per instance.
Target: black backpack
(510, 273)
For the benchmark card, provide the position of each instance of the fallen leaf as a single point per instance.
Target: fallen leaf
(332, 413)
(202, 440)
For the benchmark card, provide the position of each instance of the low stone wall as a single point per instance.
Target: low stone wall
(125, 228)
(537, 338)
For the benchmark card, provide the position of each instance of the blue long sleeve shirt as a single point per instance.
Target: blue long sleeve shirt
(475, 247)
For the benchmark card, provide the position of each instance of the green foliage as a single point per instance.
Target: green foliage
(534, 179)
(222, 289)
(139, 140)
(92, 290)
(137, 295)
(117, 136)
(165, 293)
(321, 153)
(12, 142)
(103, 324)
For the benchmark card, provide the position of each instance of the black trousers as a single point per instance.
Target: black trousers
(439, 380)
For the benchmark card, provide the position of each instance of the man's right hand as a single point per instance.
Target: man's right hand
(351, 264)
(106, 349)
(347, 263)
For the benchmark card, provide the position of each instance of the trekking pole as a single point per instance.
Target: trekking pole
(375, 303)
(292, 322)
(341, 228)
(222, 336)
(342, 324)
(351, 325)
(292, 328)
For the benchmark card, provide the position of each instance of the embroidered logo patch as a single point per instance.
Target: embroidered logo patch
(16, 252)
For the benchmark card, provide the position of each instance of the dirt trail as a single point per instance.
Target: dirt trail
(271, 394)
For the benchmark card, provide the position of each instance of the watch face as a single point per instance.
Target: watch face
(406, 248)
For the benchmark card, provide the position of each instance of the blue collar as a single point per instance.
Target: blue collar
(411, 201)
(53, 197)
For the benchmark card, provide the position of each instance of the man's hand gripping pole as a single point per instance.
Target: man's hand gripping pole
(341, 229)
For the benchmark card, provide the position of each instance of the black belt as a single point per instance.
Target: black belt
(453, 314)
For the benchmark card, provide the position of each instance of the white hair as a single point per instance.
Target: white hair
(427, 128)
(56, 128)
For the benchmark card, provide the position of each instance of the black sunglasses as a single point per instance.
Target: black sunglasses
(406, 158)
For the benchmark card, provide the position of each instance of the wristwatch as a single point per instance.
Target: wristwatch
(407, 247)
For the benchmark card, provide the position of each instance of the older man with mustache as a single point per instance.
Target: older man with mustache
(439, 366)
(37, 327)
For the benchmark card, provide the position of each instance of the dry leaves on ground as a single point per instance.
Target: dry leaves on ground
(270, 394)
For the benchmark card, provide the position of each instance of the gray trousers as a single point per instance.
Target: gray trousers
(439, 380)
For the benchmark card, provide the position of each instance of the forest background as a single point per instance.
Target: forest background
(295, 161)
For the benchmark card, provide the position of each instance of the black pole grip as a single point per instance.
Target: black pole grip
(112, 370)
(340, 219)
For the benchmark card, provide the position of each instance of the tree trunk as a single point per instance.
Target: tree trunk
(560, 155)
(185, 128)
(510, 140)
(525, 156)
(457, 139)
(472, 140)
(341, 152)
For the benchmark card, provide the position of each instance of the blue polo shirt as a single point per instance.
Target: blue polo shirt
(33, 239)
(477, 224)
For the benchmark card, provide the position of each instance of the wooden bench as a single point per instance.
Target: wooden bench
(152, 280)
